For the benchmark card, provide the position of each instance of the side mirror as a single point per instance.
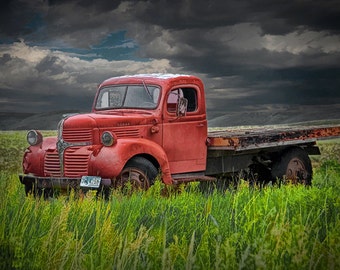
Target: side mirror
(182, 105)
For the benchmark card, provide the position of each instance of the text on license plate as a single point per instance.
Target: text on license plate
(90, 181)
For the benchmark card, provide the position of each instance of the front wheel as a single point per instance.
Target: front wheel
(294, 165)
(139, 173)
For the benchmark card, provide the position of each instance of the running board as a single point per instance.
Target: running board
(191, 177)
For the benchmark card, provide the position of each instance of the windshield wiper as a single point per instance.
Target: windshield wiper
(147, 90)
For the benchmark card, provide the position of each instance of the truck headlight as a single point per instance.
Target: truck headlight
(34, 137)
(108, 138)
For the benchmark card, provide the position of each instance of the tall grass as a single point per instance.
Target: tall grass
(291, 227)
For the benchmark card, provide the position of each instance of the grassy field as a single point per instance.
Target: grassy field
(291, 227)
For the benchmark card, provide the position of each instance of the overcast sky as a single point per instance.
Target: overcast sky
(252, 55)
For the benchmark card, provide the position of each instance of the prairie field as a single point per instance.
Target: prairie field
(286, 227)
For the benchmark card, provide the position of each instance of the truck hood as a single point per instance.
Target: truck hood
(101, 120)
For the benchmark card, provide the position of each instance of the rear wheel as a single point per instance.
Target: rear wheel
(138, 174)
(295, 166)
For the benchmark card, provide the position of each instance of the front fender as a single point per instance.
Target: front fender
(33, 159)
(108, 162)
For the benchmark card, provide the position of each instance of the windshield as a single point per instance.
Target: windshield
(128, 96)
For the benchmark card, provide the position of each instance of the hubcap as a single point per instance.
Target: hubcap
(137, 178)
(296, 171)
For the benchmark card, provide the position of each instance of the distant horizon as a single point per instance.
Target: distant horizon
(49, 120)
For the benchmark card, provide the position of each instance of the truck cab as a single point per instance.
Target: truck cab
(139, 126)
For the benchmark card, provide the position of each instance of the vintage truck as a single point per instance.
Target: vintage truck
(146, 125)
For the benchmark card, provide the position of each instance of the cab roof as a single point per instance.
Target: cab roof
(153, 78)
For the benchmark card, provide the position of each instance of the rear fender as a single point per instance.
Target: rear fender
(108, 162)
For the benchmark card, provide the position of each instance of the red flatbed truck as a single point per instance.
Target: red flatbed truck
(147, 124)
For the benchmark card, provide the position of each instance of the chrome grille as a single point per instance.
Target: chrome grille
(77, 135)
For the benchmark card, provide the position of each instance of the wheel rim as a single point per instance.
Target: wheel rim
(136, 177)
(296, 171)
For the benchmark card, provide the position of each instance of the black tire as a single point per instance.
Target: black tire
(293, 165)
(46, 193)
(29, 189)
(139, 172)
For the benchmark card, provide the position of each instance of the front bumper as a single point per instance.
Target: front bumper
(57, 182)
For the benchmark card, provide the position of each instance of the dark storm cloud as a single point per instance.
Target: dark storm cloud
(251, 54)
(10, 13)
(275, 17)
(71, 17)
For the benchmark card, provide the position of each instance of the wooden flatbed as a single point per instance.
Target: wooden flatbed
(239, 139)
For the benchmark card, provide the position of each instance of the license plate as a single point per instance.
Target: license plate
(90, 181)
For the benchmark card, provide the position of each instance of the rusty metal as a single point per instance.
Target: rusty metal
(259, 137)
(296, 171)
(137, 177)
(193, 177)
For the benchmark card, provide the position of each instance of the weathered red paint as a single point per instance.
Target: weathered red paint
(109, 161)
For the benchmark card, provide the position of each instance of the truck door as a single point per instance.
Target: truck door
(184, 135)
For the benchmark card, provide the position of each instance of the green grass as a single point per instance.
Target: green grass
(291, 227)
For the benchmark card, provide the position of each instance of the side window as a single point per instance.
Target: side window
(173, 99)
(189, 93)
